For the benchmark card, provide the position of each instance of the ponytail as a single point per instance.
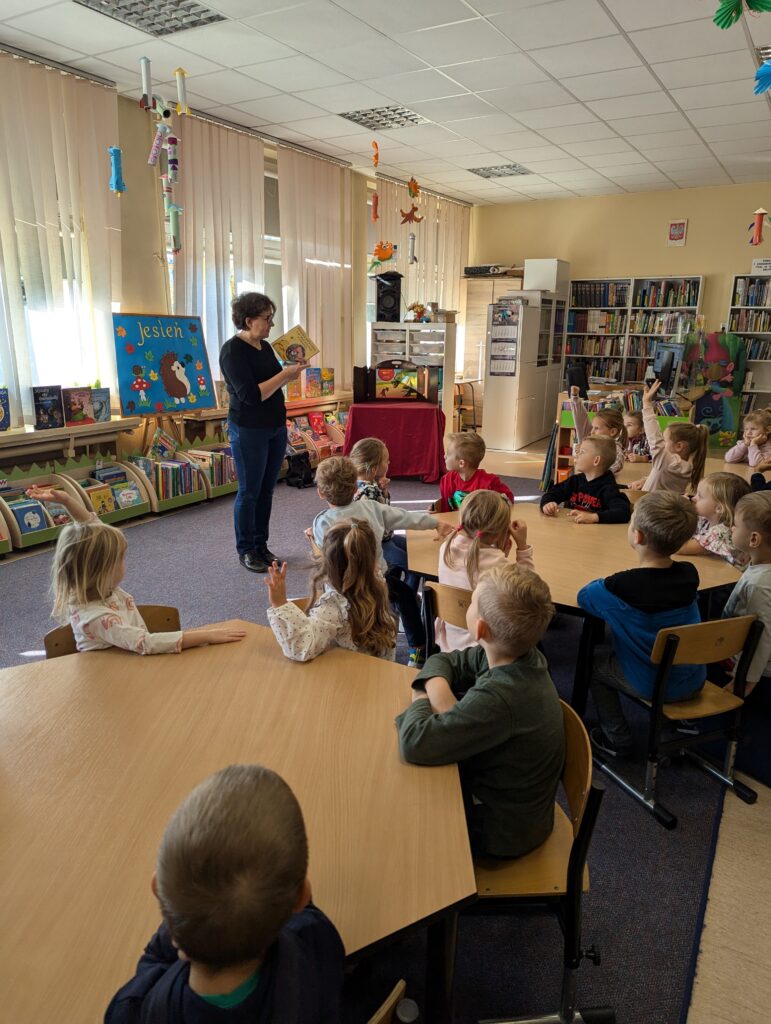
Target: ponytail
(696, 436)
(484, 518)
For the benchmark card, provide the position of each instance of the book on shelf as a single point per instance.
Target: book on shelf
(78, 407)
(109, 475)
(596, 321)
(144, 464)
(294, 390)
(162, 446)
(599, 293)
(175, 477)
(313, 382)
(100, 402)
(58, 513)
(749, 320)
(758, 348)
(217, 464)
(295, 440)
(5, 409)
(29, 514)
(101, 498)
(302, 423)
(327, 381)
(593, 347)
(49, 411)
(660, 293)
(223, 395)
(660, 323)
(752, 291)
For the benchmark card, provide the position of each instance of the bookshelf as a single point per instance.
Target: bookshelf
(614, 324)
(431, 344)
(749, 316)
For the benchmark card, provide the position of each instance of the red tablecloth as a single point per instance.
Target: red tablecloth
(412, 431)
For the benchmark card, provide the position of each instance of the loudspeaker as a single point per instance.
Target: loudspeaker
(389, 297)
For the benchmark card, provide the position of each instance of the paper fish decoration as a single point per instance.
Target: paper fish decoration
(729, 11)
(117, 184)
(413, 188)
(411, 217)
(375, 202)
(376, 154)
(382, 253)
(763, 78)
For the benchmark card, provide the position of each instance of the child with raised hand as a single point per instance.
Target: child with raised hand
(591, 495)
(755, 445)
(89, 564)
(349, 604)
(463, 458)
(606, 423)
(715, 500)
(240, 939)
(637, 447)
(678, 455)
(482, 539)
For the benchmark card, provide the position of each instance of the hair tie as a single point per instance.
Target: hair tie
(479, 534)
(459, 528)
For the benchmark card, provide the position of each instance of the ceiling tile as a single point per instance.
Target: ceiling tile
(563, 163)
(455, 176)
(579, 132)
(243, 8)
(356, 61)
(165, 60)
(231, 43)
(656, 153)
(661, 140)
(228, 87)
(606, 84)
(637, 172)
(453, 108)
(287, 134)
(328, 127)
(550, 117)
(460, 147)
(496, 72)
(391, 17)
(415, 86)
(424, 167)
(528, 97)
(608, 54)
(78, 27)
(632, 106)
(528, 155)
(614, 159)
(281, 108)
(195, 101)
(313, 27)
(464, 40)
(420, 134)
(564, 21)
(359, 140)
(652, 123)
(584, 178)
(698, 180)
(509, 140)
(729, 115)
(481, 159)
(343, 98)
(13, 7)
(604, 190)
(596, 147)
(697, 96)
(689, 39)
(726, 132)
(290, 74)
(326, 147)
(631, 14)
(718, 67)
(225, 113)
(487, 127)
(123, 79)
(41, 47)
(740, 147)
(698, 164)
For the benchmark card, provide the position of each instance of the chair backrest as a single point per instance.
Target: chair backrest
(385, 1015)
(450, 603)
(704, 642)
(301, 602)
(159, 618)
(577, 772)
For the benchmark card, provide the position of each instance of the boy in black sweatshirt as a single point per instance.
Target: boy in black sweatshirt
(591, 494)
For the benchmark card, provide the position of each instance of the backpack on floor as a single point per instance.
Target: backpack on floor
(299, 473)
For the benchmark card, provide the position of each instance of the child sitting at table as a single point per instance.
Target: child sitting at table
(715, 500)
(336, 483)
(678, 456)
(482, 539)
(591, 494)
(637, 447)
(606, 423)
(89, 563)
(463, 459)
(755, 445)
(240, 940)
(636, 604)
(493, 709)
(349, 604)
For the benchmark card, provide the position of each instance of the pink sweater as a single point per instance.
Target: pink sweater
(668, 471)
(453, 638)
(753, 453)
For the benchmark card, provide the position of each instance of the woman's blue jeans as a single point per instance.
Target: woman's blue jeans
(258, 453)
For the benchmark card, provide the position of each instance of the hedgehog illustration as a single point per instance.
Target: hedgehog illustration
(174, 379)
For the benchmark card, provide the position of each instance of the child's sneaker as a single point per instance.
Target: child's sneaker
(687, 727)
(603, 745)
(417, 657)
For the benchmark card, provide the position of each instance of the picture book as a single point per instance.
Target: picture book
(162, 446)
(126, 494)
(162, 364)
(100, 400)
(78, 408)
(49, 412)
(223, 395)
(295, 440)
(5, 410)
(58, 513)
(101, 498)
(318, 424)
(335, 432)
(313, 382)
(327, 380)
(397, 384)
(110, 475)
(302, 422)
(295, 346)
(144, 465)
(294, 390)
(29, 514)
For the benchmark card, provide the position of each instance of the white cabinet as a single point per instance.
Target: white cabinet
(423, 344)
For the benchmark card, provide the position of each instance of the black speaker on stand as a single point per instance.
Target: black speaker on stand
(389, 297)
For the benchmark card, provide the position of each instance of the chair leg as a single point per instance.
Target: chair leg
(749, 796)
(568, 1014)
(646, 798)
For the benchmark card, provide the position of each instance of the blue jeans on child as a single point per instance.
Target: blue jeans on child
(395, 554)
(258, 453)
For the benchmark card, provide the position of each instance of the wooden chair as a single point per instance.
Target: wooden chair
(702, 644)
(301, 602)
(634, 495)
(159, 618)
(385, 1015)
(443, 602)
(554, 875)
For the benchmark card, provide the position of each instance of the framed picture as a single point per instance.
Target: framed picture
(677, 232)
(163, 367)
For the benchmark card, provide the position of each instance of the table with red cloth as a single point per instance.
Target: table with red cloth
(413, 432)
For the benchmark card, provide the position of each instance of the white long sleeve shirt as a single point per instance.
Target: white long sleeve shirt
(380, 517)
(752, 596)
(116, 622)
(304, 637)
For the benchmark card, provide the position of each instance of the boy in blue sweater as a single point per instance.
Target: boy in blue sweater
(240, 942)
(636, 604)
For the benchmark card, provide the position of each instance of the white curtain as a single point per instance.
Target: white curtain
(221, 190)
(441, 244)
(314, 198)
(59, 231)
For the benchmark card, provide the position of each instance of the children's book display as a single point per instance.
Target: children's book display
(174, 478)
(24, 521)
(218, 467)
(313, 382)
(49, 411)
(100, 402)
(78, 407)
(5, 409)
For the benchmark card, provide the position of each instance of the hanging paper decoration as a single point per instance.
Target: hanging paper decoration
(117, 184)
(411, 216)
(182, 108)
(382, 253)
(165, 140)
(376, 154)
(763, 78)
(729, 11)
(413, 188)
(155, 150)
(759, 218)
(411, 257)
(146, 103)
(375, 214)
(172, 158)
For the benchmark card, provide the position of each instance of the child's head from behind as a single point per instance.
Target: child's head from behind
(689, 441)
(662, 521)
(609, 423)
(510, 610)
(465, 450)
(752, 522)
(595, 455)
(633, 422)
(717, 495)
(485, 517)
(88, 565)
(336, 480)
(370, 456)
(232, 866)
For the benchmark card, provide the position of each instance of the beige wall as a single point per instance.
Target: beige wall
(626, 236)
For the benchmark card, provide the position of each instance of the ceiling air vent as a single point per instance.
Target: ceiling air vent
(502, 171)
(380, 119)
(156, 17)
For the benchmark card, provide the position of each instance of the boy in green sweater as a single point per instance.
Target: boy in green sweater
(494, 710)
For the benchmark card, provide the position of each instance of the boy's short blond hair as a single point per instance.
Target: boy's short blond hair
(605, 447)
(516, 605)
(666, 520)
(231, 865)
(755, 510)
(336, 479)
(468, 446)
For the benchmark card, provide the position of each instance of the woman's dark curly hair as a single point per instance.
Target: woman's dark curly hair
(250, 305)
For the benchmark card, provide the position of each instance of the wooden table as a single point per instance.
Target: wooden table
(637, 470)
(98, 749)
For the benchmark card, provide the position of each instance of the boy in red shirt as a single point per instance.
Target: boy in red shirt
(464, 454)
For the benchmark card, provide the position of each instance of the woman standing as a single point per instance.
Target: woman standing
(256, 422)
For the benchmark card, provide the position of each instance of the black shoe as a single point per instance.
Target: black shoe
(601, 744)
(252, 560)
(267, 555)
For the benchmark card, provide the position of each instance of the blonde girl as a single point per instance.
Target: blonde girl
(678, 456)
(349, 605)
(637, 447)
(606, 423)
(89, 565)
(755, 445)
(483, 538)
(715, 500)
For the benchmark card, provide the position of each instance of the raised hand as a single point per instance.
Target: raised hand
(276, 584)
